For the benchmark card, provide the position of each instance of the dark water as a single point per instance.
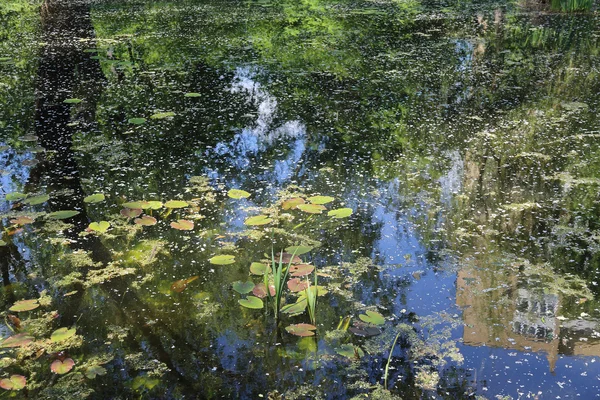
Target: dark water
(464, 136)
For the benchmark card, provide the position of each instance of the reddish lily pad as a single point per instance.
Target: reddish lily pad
(287, 257)
(131, 212)
(312, 208)
(15, 382)
(18, 340)
(290, 204)
(297, 285)
(183, 225)
(301, 269)
(146, 220)
(260, 290)
(25, 305)
(180, 285)
(62, 367)
(301, 329)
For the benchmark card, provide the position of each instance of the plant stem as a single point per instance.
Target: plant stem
(387, 366)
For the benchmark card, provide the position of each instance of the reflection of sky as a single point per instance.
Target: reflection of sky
(14, 175)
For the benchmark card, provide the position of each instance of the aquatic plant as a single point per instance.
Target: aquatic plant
(571, 5)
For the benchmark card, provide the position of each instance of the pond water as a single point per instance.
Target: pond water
(456, 253)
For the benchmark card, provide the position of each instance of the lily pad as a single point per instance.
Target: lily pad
(301, 329)
(251, 302)
(15, 382)
(101, 226)
(340, 213)
(72, 101)
(131, 212)
(35, 200)
(301, 269)
(176, 204)
(18, 340)
(192, 94)
(295, 308)
(260, 290)
(298, 250)
(258, 220)
(153, 205)
(238, 194)
(63, 214)
(350, 351)
(297, 285)
(136, 204)
(372, 317)
(162, 115)
(183, 225)
(312, 208)
(321, 199)
(223, 259)
(25, 305)
(94, 371)
(146, 220)
(290, 204)
(2, 243)
(94, 198)
(22, 220)
(180, 285)
(136, 121)
(243, 287)
(287, 257)
(259, 268)
(365, 331)
(62, 367)
(62, 334)
(15, 196)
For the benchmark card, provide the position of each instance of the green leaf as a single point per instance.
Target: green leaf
(162, 115)
(350, 351)
(15, 382)
(63, 214)
(35, 200)
(153, 205)
(290, 204)
(137, 204)
(131, 212)
(72, 101)
(238, 194)
(258, 220)
(321, 199)
(136, 121)
(298, 250)
(224, 259)
(15, 196)
(62, 367)
(94, 198)
(2, 243)
(183, 225)
(243, 287)
(259, 268)
(24, 305)
(146, 220)
(95, 370)
(301, 329)
(295, 308)
(192, 95)
(251, 302)
(22, 220)
(62, 334)
(372, 317)
(101, 226)
(176, 204)
(312, 208)
(340, 213)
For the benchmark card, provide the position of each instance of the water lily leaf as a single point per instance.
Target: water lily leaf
(13, 230)
(365, 331)
(251, 302)
(260, 290)
(238, 194)
(312, 208)
(22, 220)
(192, 95)
(62, 334)
(136, 204)
(15, 196)
(573, 105)
(224, 259)
(350, 351)
(321, 199)
(259, 269)
(62, 367)
(183, 225)
(258, 220)
(176, 204)
(131, 212)
(340, 213)
(301, 269)
(146, 220)
(287, 257)
(72, 101)
(136, 121)
(298, 250)
(162, 115)
(2, 243)
(180, 285)
(95, 370)
(152, 205)
(290, 204)
(94, 198)
(18, 340)
(295, 308)
(15, 382)
(301, 329)
(35, 200)
(372, 317)
(63, 214)
(297, 285)
(24, 305)
(243, 287)
(101, 226)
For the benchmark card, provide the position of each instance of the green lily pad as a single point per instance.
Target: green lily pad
(15, 382)
(131, 212)
(298, 250)
(94, 371)
(192, 94)
(372, 317)
(136, 204)
(63, 214)
(259, 268)
(146, 220)
(176, 204)
(223, 259)
(238, 194)
(62, 367)
(183, 225)
(24, 305)
(35, 200)
(15, 196)
(153, 205)
(295, 308)
(162, 115)
(18, 340)
(72, 101)
(136, 121)
(297, 285)
(301, 329)
(258, 220)
(3, 243)
(290, 204)
(94, 198)
(301, 269)
(251, 302)
(23, 220)
(312, 208)
(350, 351)
(321, 199)
(340, 213)
(101, 226)
(62, 334)
(243, 287)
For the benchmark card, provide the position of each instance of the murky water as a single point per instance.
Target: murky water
(464, 137)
